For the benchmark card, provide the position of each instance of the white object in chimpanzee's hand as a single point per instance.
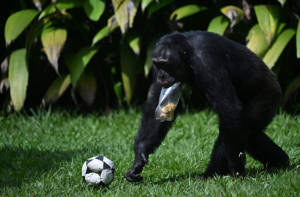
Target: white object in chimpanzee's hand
(168, 101)
(98, 170)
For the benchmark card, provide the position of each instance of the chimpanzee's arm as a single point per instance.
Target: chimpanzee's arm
(150, 134)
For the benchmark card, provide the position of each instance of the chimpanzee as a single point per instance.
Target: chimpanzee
(238, 86)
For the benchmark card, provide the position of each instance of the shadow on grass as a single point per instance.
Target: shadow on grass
(176, 178)
(18, 165)
(251, 172)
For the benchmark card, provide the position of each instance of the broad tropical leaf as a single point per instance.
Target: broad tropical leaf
(257, 41)
(128, 70)
(18, 78)
(186, 11)
(107, 30)
(157, 5)
(87, 87)
(56, 89)
(298, 40)
(234, 14)
(276, 49)
(53, 40)
(268, 18)
(145, 4)
(94, 8)
(17, 22)
(125, 11)
(148, 62)
(118, 91)
(100, 35)
(77, 63)
(134, 41)
(281, 26)
(61, 5)
(112, 23)
(218, 25)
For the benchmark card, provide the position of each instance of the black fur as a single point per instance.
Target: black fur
(239, 88)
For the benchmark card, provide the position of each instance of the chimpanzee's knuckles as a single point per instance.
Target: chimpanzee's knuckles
(132, 177)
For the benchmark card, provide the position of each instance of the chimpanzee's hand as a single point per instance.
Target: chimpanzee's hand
(133, 175)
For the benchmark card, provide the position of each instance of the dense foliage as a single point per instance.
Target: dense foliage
(82, 52)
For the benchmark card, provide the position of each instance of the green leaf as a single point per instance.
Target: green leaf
(112, 23)
(233, 13)
(134, 41)
(281, 26)
(56, 89)
(77, 63)
(94, 8)
(155, 6)
(105, 31)
(128, 70)
(87, 87)
(268, 18)
(218, 25)
(61, 5)
(18, 78)
(148, 62)
(100, 35)
(145, 4)
(53, 40)
(276, 49)
(125, 11)
(298, 40)
(257, 41)
(186, 11)
(118, 90)
(291, 88)
(17, 22)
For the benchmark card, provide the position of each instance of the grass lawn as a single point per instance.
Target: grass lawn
(42, 155)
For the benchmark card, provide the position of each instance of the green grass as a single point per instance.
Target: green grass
(42, 155)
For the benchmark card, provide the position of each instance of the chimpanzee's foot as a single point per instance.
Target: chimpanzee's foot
(237, 173)
(204, 176)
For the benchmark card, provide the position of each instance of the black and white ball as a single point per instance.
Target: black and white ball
(98, 170)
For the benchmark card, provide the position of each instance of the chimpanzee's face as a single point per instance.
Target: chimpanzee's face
(171, 56)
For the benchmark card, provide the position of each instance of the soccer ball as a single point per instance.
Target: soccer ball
(98, 170)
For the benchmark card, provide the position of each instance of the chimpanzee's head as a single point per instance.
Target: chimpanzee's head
(171, 58)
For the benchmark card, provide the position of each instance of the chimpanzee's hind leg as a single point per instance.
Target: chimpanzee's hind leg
(150, 134)
(258, 114)
(267, 152)
(221, 95)
(218, 161)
